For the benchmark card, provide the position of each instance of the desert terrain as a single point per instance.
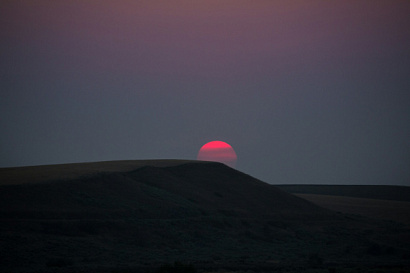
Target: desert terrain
(186, 216)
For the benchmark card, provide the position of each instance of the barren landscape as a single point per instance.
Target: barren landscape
(136, 216)
(205, 136)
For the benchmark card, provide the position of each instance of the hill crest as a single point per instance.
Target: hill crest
(54, 172)
(188, 188)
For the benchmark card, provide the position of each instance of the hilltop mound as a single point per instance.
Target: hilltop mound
(188, 189)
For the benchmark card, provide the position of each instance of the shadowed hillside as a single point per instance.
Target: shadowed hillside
(187, 189)
(131, 215)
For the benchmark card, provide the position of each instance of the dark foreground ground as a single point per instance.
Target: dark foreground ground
(140, 216)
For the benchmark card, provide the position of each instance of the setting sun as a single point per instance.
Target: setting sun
(218, 151)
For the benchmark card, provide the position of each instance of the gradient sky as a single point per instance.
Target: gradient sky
(305, 91)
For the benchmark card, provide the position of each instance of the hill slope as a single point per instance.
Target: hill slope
(136, 214)
(383, 192)
(189, 189)
(374, 201)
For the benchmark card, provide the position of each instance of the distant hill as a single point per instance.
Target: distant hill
(127, 215)
(375, 201)
(383, 192)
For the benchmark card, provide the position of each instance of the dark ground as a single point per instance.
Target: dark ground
(204, 214)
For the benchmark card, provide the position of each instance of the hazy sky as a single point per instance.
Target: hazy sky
(304, 91)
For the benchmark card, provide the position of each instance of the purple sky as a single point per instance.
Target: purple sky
(304, 91)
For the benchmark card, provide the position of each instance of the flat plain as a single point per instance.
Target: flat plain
(398, 211)
(374, 201)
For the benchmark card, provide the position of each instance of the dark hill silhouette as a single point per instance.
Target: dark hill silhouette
(189, 189)
(214, 186)
(382, 192)
(63, 172)
(134, 214)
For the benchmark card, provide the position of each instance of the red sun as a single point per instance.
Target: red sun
(218, 151)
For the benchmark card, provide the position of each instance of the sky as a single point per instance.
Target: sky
(305, 91)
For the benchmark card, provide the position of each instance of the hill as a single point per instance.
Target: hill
(63, 172)
(382, 192)
(131, 215)
(149, 189)
(379, 202)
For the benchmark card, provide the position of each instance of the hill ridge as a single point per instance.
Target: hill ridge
(67, 171)
(382, 192)
(189, 188)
